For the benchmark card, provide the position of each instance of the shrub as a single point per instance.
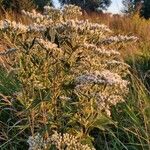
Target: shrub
(18, 5)
(69, 71)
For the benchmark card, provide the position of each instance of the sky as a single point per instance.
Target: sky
(115, 7)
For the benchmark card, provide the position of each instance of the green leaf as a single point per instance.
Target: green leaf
(101, 122)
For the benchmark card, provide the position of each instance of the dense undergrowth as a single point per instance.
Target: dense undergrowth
(67, 87)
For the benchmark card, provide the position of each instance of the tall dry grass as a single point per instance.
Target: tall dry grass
(133, 24)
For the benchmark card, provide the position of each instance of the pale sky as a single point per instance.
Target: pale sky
(115, 7)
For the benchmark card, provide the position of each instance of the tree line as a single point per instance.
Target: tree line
(140, 6)
(130, 6)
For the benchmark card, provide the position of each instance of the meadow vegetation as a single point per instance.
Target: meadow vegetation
(71, 83)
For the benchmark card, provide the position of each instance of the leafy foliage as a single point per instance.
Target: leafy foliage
(89, 5)
(17, 5)
(141, 6)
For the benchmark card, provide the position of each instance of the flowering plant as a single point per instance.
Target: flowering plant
(69, 71)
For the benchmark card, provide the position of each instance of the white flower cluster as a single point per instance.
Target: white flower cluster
(106, 100)
(107, 53)
(47, 44)
(53, 13)
(67, 12)
(117, 64)
(36, 27)
(115, 88)
(113, 79)
(64, 97)
(118, 67)
(96, 26)
(4, 24)
(103, 77)
(119, 38)
(101, 51)
(60, 141)
(84, 27)
(56, 18)
(68, 142)
(13, 25)
(37, 142)
(71, 11)
(34, 15)
(18, 26)
(52, 48)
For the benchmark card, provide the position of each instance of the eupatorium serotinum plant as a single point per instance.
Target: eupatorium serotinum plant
(71, 74)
